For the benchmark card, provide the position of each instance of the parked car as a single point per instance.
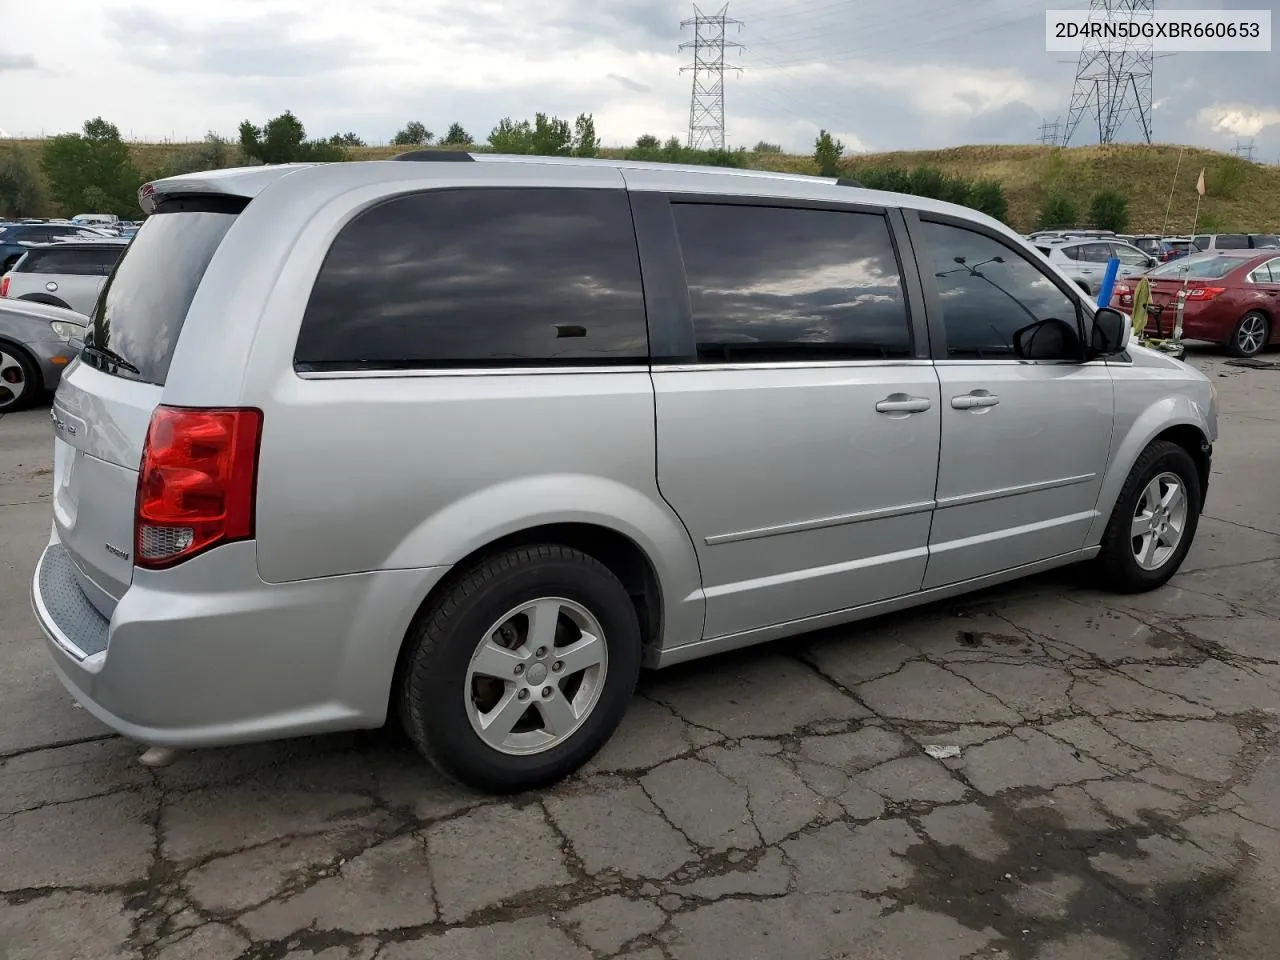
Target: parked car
(1152, 244)
(37, 343)
(68, 275)
(1232, 298)
(1182, 246)
(16, 238)
(469, 442)
(1085, 261)
(1236, 241)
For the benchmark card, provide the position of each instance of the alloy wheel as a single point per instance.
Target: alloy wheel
(1252, 334)
(1159, 521)
(13, 380)
(535, 676)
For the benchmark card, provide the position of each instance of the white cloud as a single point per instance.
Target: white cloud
(1239, 120)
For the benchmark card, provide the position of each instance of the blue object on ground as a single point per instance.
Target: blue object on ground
(1108, 282)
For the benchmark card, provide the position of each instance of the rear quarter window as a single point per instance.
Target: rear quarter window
(480, 277)
(144, 303)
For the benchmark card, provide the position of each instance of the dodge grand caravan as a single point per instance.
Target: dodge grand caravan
(468, 441)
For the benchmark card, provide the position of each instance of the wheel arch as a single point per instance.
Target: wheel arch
(1175, 419)
(618, 551)
(47, 299)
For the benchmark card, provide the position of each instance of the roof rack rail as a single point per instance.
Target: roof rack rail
(437, 155)
(848, 182)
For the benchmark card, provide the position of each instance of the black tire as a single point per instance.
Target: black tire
(433, 695)
(19, 399)
(1233, 345)
(1118, 569)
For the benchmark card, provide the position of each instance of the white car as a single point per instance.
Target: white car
(1085, 261)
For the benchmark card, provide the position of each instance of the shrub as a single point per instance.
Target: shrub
(1109, 210)
(1057, 212)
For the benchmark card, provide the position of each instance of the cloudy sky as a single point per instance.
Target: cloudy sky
(881, 74)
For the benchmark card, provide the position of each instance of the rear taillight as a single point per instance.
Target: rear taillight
(4, 285)
(1123, 293)
(1204, 293)
(196, 484)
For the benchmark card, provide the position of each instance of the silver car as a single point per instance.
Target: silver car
(68, 274)
(1085, 260)
(37, 342)
(468, 443)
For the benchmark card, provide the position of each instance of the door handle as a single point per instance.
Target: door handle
(974, 400)
(901, 403)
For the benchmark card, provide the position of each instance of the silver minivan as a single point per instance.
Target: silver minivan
(469, 440)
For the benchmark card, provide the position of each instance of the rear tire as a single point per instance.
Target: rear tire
(19, 378)
(503, 690)
(1137, 554)
(1250, 335)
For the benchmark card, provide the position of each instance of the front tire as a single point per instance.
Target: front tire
(1250, 335)
(522, 670)
(1154, 521)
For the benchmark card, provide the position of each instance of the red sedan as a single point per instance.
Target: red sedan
(1232, 298)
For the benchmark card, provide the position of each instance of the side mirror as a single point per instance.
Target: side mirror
(1111, 330)
(1050, 339)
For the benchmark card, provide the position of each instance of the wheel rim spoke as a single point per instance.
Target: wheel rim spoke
(557, 714)
(544, 617)
(492, 660)
(498, 722)
(1141, 526)
(1150, 543)
(588, 651)
(1173, 498)
(1153, 494)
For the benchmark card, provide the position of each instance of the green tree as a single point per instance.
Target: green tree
(546, 136)
(1057, 212)
(283, 139)
(673, 150)
(511, 137)
(585, 141)
(647, 141)
(827, 153)
(1109, 210)
(92, 172)
(414, 134)
(21, 192)
(346, 140)
(457, 137)
(765, 147)
(988, 197)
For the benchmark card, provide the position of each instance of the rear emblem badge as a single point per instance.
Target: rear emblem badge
(116, 551)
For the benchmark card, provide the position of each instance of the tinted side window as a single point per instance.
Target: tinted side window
(1201, 242)
(1232, 241)
(1130, 255)
(480, 277)
(1095, 252)
(986, 291)
(69, 262)
(789, 284)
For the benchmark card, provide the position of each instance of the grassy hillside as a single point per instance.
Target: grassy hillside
(1241, 196)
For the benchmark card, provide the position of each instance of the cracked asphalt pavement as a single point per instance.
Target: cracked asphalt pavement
(1116, 795)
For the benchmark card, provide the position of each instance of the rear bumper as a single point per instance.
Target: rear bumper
(212, 655)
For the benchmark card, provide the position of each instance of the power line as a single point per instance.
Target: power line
(1049, 133)
(706, 103)
(1113, 82)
